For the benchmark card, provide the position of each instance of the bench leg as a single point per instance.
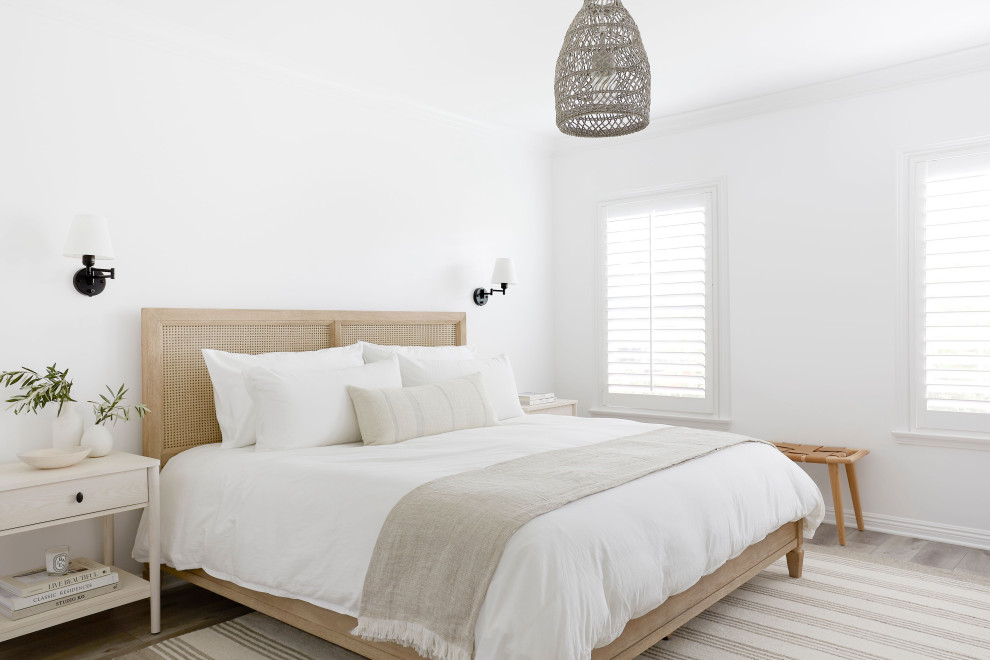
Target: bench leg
(840, 523)
(854, 492)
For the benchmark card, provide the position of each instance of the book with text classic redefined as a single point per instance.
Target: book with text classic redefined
(60, 602)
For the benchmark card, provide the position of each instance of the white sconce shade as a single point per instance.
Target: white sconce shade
(89, 240)
(504, 273)
(89, 234)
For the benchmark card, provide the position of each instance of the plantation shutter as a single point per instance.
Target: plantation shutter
(658, 303)
(955, 291)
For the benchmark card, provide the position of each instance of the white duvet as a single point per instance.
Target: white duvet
(303, 524)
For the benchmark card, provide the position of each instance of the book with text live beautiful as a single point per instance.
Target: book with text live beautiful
(19, 603)
(36, 581)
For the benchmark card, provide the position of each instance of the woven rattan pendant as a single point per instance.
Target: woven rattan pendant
(603, 76)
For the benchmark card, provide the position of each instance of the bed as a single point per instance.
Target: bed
(203, 485)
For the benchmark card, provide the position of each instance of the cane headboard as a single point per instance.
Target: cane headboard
(177, 385)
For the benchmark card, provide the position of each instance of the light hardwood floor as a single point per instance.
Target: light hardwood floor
(186, 608)
(954, 558)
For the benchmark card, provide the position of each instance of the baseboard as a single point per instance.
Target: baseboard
(919, 529)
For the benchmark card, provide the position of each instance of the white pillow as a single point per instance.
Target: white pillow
(500, 383)
(235, 412)
(388, 416)
(299, 406)
(375, 352)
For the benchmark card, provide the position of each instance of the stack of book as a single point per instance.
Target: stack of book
(536, 398)
(37, 591)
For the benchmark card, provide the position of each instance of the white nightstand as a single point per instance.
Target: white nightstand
(558, 407)
(32, 499)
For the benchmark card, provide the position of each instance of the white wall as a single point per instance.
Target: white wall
(229, 189)
(812, 248)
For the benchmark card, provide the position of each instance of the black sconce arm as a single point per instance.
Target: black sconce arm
(481, 295)
(91, 281)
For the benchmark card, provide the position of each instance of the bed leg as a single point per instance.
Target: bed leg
(795, 558)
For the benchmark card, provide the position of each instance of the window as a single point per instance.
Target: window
(660, 347)
(949, 297)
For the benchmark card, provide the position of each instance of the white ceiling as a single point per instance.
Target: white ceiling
(494, 61)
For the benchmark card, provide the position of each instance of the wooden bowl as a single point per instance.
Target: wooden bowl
(51, 458)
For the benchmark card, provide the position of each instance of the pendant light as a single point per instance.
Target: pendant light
(603, 76)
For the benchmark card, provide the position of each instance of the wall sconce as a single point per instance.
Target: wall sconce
(503, 275)
(89, 238)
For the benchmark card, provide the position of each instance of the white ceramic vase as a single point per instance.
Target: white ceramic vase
(99, 439)
(67, 428)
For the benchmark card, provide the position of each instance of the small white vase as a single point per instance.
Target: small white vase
(99, 439)
(67, 428)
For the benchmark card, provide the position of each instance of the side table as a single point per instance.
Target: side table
(94, 488)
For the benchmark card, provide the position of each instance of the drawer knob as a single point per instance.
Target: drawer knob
(79, 497)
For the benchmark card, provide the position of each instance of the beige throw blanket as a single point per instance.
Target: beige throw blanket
(440, 545)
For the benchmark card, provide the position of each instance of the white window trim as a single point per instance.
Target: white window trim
(719, 291)
(910, 428)
(654, 417)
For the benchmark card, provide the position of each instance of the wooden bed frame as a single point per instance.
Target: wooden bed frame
(178, 390)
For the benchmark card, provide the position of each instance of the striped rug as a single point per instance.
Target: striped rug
(845, 606)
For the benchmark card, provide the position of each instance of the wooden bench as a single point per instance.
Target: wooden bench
(833, 457)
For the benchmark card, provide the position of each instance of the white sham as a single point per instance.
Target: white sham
(299, 407)
(500, 382)
(235, 411)
(375, 352)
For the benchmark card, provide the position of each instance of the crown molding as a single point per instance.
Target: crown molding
(144, 30)
(908, 74)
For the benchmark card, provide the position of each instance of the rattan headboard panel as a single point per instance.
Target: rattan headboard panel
(434, 334)
(177, 385)
(189, 412)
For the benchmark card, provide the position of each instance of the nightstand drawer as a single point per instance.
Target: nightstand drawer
(48, 502)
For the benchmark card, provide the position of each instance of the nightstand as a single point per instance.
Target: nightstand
(558, 407)
(96, 487)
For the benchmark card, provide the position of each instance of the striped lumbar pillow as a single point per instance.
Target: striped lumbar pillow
(387, 416)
